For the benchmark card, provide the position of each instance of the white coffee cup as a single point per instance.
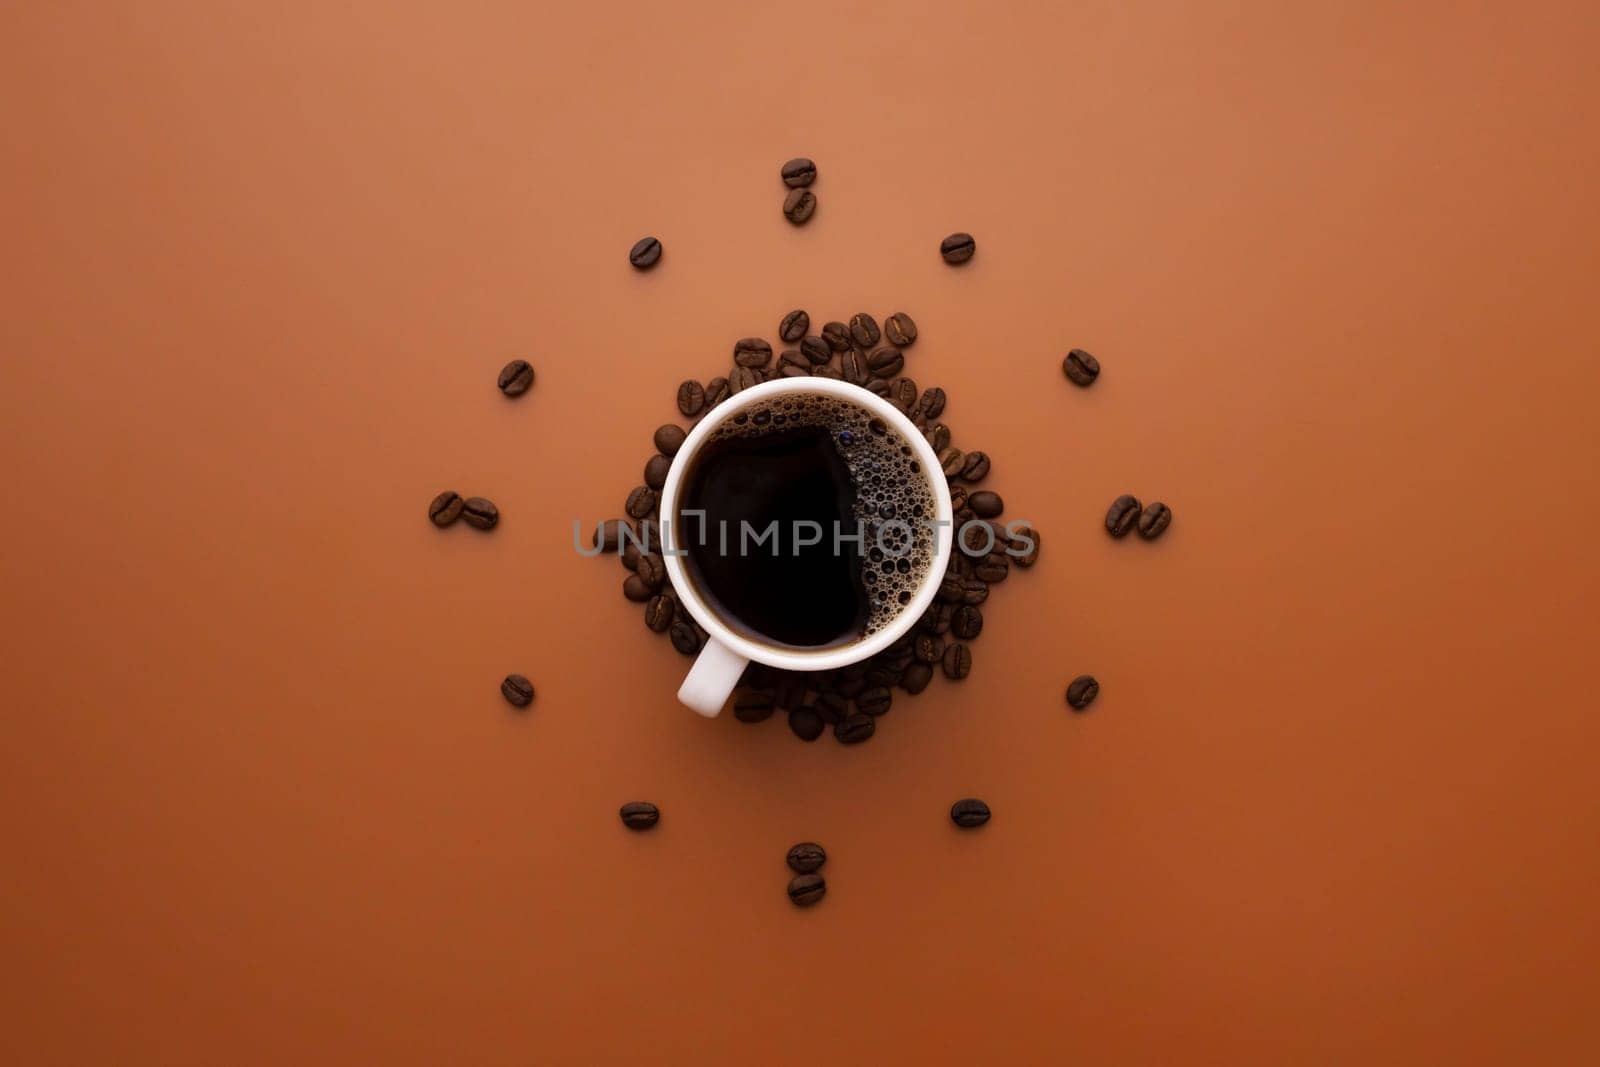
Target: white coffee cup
(729, 650)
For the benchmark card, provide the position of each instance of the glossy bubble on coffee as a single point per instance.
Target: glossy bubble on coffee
(808, 458)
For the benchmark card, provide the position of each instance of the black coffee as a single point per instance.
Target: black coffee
(785, 488)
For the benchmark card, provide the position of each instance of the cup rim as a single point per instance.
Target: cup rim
(821, 659)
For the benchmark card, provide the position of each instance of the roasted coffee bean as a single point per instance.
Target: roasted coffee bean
(874, 701)
(630, 556)
(974, 590)
(645, 253)
(655, 471)
(886, 363)
(1026, 542)
(969, 813)
(1082, 691)
(992, 568)
(651, 570)
(789, 690)
(751, 352)
(641, 502)
(950, 588)
(881, 675)
(741, 379)
(608, 535)
(798, 172)
(806, 889)
(958, 499)
(951, 461)
(1080, 367)
(640, 815)
(799, 205)
(837, 335)
(1154, 520)
(816, 350)
(827, 372)
(903, 391)
(516, 377)
(978, 538)
(636, 589)
(864, 331)
(957, 248)
(517, 690)
(957, 661)
(975, 468)
(480, 513)
(916, 678)
(853, 365)
(939, 436)
(899, 329)
(753, 705)
(649, 534)
(793, 326)
(691, 398)
(936, 620)
(685, 636)
(986, 505)
(716, 392)
(445, 508)
(966, 622)
(806, 724)
(878, 387)
(669, 438)
(806, 857)
(833, 707)
(964, 516)
(1123, 515)
(791, 361)
(929, 648)
(791, 370)
(933, 403)
(855, 728)
(659, 611)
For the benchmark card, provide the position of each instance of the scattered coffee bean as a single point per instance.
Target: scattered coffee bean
(685, 637)
(752, 352)
(929, 648)
(691, 398)
(636, 589)
(1026, 541)
(916, 678)
(794, 326)
(827, 372)
(977, 538)
(651, 570)
(641, 502)
(992, 568)
(669, 438)
(937, 619)
(974, 590)
(904, 394)
(986, 505)
(753, 705)
(716, 392)
(878, 387)
(951, 460)
(816, 350)
(864, 331)
(517, 690)
(1080, 367)
(608, 535)
(480, 513)
(655, 471)
(969, 813)
(966, 622)
(975, 468)
(886, 363)
(853, 365)
(957, 661)
(939, 436)
(793, 357)
(1123, 515)
(659, 611)
(950, 588)
(854, 728)
(445, 508)
(958, 499)
(806, 889)
(640, 815)
(837, 334)
(799, 205)
(899, 329)
(798, 172)
(833, 707)
(644, 254)
(933, 404)
(1154, 520)
(516, 377)
(806, 724)
(741, 379)
(874, 701)
(806, 857)
(957, 248)
(1082, 691)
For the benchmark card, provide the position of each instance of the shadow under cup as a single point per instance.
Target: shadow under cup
(803, 521)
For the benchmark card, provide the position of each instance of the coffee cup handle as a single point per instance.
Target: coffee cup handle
(712, 678)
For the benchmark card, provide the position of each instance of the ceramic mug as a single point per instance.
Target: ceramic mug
(730, 647)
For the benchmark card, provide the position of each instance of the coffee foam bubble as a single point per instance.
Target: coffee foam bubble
(894, 499)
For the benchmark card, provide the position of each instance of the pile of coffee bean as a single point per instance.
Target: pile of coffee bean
(800, 203)
(853, 699)
(1127, 514)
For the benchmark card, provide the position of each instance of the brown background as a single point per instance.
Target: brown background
(261, 801)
